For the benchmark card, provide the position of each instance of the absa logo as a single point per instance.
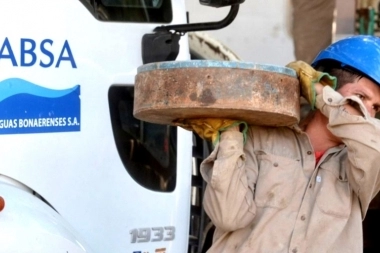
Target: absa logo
(28, 50)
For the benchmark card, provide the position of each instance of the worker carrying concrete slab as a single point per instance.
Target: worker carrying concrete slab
(305, 187)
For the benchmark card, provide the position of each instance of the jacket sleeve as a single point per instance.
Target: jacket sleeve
(228, 198)
(361, 135)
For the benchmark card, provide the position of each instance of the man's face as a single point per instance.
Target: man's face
(367, 91)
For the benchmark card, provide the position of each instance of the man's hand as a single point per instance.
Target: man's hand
(209, 129)
(308, 78)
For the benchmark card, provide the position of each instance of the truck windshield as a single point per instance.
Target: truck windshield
(140, 11)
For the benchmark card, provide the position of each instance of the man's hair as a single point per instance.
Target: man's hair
(343, 74)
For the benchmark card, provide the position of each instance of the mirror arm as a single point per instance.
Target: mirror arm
(184, 28)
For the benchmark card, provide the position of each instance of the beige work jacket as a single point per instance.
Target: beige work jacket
(270, 196)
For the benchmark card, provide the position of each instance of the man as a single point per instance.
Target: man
(304, 188)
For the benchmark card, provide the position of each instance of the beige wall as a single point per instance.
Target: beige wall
(345, 21)
(261, 31)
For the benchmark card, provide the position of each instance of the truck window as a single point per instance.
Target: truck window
(141, 11)
(148, 151)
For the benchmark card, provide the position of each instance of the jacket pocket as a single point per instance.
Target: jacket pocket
(335, 194)
(275, 184)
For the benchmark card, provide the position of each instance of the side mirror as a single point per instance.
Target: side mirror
(163, 44)
(220, 3)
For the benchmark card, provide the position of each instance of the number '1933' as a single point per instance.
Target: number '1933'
(155, 234)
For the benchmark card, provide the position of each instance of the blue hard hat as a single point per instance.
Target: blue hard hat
(360, 52)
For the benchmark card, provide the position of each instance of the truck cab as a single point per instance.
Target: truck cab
(78, 173)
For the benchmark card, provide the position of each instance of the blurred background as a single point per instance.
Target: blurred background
(262, 31)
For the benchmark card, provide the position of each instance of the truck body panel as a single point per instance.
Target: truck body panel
(58, 64)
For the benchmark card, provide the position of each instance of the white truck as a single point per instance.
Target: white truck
(78, 173)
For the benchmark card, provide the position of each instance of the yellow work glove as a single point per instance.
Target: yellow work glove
(209, 129)
(308, 77)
